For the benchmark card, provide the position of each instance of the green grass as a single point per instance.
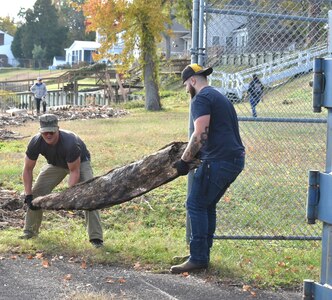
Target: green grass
(151, 229)
(23, 73)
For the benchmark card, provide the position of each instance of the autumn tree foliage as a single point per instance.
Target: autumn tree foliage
(7, 25)
(140, 23)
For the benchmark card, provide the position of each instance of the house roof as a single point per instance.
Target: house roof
(5, 33)
(177, 27)
(85, 45)
(186, 36)
(243, 26)
(59, 57)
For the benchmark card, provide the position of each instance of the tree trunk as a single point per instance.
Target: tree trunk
(119, 185)
(150, 73)
(152, 98)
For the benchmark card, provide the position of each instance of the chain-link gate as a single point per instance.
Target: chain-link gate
(277, 41)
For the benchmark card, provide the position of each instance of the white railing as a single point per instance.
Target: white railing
(270, 73)
(58, 98)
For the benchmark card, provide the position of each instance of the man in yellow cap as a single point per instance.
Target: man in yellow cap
(216, 141)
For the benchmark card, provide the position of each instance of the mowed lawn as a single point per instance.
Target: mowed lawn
(150, 230)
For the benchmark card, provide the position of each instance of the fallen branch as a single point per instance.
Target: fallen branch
(119, 185)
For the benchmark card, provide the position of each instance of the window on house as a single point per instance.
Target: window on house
(215, 40)
(229, 41)
(2, 39)
(74, 57)
(243, 41)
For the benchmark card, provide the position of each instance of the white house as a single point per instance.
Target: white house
(7, 58)
(117, 48)
(58, 61)
(226, 32)
(81, 51)
(180, 41)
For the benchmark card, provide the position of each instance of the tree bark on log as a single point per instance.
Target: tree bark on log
(119, 185)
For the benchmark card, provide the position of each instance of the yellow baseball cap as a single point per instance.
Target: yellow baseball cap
(195, 69)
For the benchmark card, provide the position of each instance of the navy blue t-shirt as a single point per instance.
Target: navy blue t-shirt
(68, 148)
(224, 141)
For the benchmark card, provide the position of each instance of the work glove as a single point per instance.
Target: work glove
(182, 167)
(28, 200)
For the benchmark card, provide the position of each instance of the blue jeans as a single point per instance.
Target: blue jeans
(210, 182)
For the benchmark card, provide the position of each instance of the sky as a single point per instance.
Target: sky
(12, 7)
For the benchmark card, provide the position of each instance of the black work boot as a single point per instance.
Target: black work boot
(97, 243)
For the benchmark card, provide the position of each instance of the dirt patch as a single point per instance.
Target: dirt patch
(19, 117)
(11, 209)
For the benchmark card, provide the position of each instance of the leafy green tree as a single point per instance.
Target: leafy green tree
(41, 28)
(73, 18)
(39, 54)
(16, 45)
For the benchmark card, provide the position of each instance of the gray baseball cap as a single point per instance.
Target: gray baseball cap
(48, 123)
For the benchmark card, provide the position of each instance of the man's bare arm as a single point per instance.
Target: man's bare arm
(74, 172)
(27, 175)
(198, 138)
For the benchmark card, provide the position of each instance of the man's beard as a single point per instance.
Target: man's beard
(192, 91)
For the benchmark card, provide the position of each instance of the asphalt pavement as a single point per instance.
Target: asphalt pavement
(27, 278)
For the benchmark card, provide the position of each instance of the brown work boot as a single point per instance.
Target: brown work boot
(27, 236)
(187, 266)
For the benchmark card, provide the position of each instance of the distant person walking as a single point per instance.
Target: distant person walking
(255, 91)
(39, 91)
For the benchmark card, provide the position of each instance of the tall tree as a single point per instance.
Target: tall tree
(16, 44)
(41, 28)
(74, 20)
(141, 24)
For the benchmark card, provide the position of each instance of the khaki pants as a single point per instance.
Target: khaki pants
(48, 178)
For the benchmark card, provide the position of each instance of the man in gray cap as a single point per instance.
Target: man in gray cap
(66, 154)
(216, 141)
(39, 91)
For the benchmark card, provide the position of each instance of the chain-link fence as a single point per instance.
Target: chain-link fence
(284, 139)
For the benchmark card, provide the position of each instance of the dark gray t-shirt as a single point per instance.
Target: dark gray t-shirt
(224, 141)
(68, 148)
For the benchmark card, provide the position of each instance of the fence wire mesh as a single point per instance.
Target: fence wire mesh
(277, 41)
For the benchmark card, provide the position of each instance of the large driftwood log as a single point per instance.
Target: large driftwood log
(119, 185)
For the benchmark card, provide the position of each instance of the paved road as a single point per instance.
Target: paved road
(25, 279)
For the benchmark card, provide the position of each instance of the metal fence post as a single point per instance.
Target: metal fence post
(323, 289)
(201, 55)
(194, 59)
